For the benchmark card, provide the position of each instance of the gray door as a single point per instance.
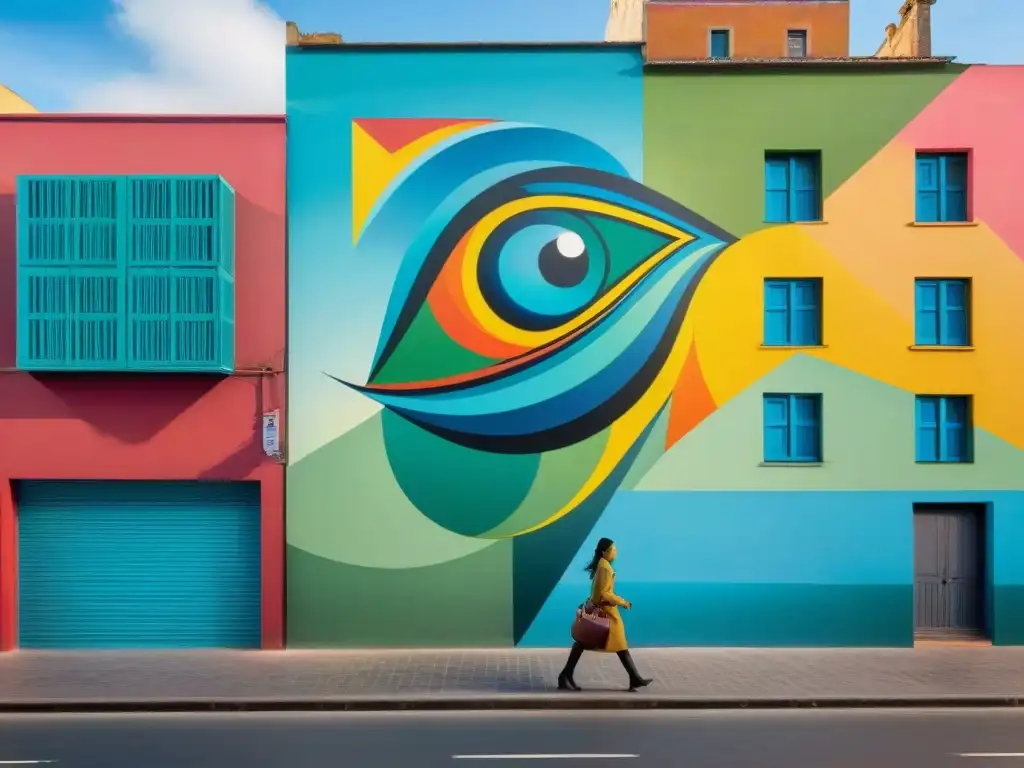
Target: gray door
(948, 570)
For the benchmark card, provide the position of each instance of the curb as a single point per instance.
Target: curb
(500, 703)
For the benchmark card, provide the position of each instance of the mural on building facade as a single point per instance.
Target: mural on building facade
(504, 344)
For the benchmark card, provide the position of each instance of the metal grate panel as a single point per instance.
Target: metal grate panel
(160, 296)
(134, 565)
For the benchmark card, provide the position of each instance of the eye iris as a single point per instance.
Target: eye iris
(564, 261)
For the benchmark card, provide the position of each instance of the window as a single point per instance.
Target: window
(720, 48)
(940, 313)
(792, 428)
(125, 273)
(792, 186)
(792, 313)
(941, 187)
(796, 43)
(943, 428)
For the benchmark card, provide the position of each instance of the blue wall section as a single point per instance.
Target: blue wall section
(1006, 545)
(779, 568)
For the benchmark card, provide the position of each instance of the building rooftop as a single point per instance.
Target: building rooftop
(845, 61)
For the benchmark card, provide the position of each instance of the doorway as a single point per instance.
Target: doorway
(949, 571)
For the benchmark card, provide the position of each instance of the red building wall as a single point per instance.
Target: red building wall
(145, 426)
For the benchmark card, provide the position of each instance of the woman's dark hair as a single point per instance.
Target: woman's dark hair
(602, 546)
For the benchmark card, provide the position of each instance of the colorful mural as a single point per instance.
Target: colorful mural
(526, 310)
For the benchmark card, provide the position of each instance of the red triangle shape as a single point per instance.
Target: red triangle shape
(395, 133)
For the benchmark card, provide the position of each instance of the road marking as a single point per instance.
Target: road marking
(26, 762)
(544, 757)
(991, 754)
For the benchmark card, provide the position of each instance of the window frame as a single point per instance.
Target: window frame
(790, 160)
(728, 32)
(791, 425)
(942, 189)
(804, 36)
(791, 310)
(943, 312)
(941, 427)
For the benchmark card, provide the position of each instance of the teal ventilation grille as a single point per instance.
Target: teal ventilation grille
(126, 273)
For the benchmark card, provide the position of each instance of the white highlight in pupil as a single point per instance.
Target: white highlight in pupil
(570, 245)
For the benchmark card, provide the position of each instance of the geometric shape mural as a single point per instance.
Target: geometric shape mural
(505, 341)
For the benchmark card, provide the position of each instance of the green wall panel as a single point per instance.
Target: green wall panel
(705, 133)
(868, 442)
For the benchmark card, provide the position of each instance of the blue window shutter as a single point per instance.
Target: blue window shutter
(805, 200)
(954, 187)
(806, 431)
(776, 428)
(181, 274)
(926, 312)
(719, 44)
(776, 186)
(70, 266)
(776, 313)
(928, 203)
(953, 308)
(927, 429)
(954, 437)
(806, 313)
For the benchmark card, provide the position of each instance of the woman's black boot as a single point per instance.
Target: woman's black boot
(565, 681)
(635, 681)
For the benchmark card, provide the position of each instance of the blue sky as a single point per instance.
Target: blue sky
(167, 55)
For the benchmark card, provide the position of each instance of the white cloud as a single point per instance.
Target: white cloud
(203, 56)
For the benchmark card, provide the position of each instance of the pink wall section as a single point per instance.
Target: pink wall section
(982, 111)
(152, 426)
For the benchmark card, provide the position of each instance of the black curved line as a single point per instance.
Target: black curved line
(438, 255)
(506, 191)
(545, 351)
(590, 423)
(633, 188)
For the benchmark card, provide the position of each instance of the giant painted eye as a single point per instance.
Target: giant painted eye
(540, 268)
(537, 302)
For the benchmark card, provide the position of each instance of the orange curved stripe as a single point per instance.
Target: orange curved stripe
(504, 365)
(691, 400)
(448, 302)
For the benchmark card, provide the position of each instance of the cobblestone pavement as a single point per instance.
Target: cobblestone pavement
(700, 674)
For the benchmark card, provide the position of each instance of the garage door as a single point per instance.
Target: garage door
(139, 565)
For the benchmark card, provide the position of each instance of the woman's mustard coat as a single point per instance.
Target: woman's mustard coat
(602, 593)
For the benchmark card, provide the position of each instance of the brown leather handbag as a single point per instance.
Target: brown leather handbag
(591, 627)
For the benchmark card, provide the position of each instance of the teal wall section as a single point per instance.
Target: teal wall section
(777, 568)
(1007, 563)
(753, 569)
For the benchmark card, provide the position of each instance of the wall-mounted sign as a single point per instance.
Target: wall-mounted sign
(271, 433)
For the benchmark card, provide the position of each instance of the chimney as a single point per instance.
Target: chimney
(913, 37)
(625, 22)
(293, 36)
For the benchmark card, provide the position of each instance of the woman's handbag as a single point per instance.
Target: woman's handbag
(590, 629)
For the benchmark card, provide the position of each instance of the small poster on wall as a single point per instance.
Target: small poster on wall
(271, 433)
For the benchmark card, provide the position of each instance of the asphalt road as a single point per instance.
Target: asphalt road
(630, 739)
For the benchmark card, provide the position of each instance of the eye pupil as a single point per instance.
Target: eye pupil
(564, 262)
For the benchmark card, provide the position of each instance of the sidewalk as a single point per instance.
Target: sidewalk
(503, 679)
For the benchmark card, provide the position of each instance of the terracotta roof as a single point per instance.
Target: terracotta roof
(470, 45)
(846, 61)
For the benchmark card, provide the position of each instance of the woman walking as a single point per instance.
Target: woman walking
(602, 595)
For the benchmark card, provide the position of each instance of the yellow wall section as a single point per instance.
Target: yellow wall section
(868, 254)
(11, 103)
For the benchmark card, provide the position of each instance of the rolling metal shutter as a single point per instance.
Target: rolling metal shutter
(139, 565)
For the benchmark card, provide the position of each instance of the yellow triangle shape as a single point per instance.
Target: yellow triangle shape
(373, 167)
